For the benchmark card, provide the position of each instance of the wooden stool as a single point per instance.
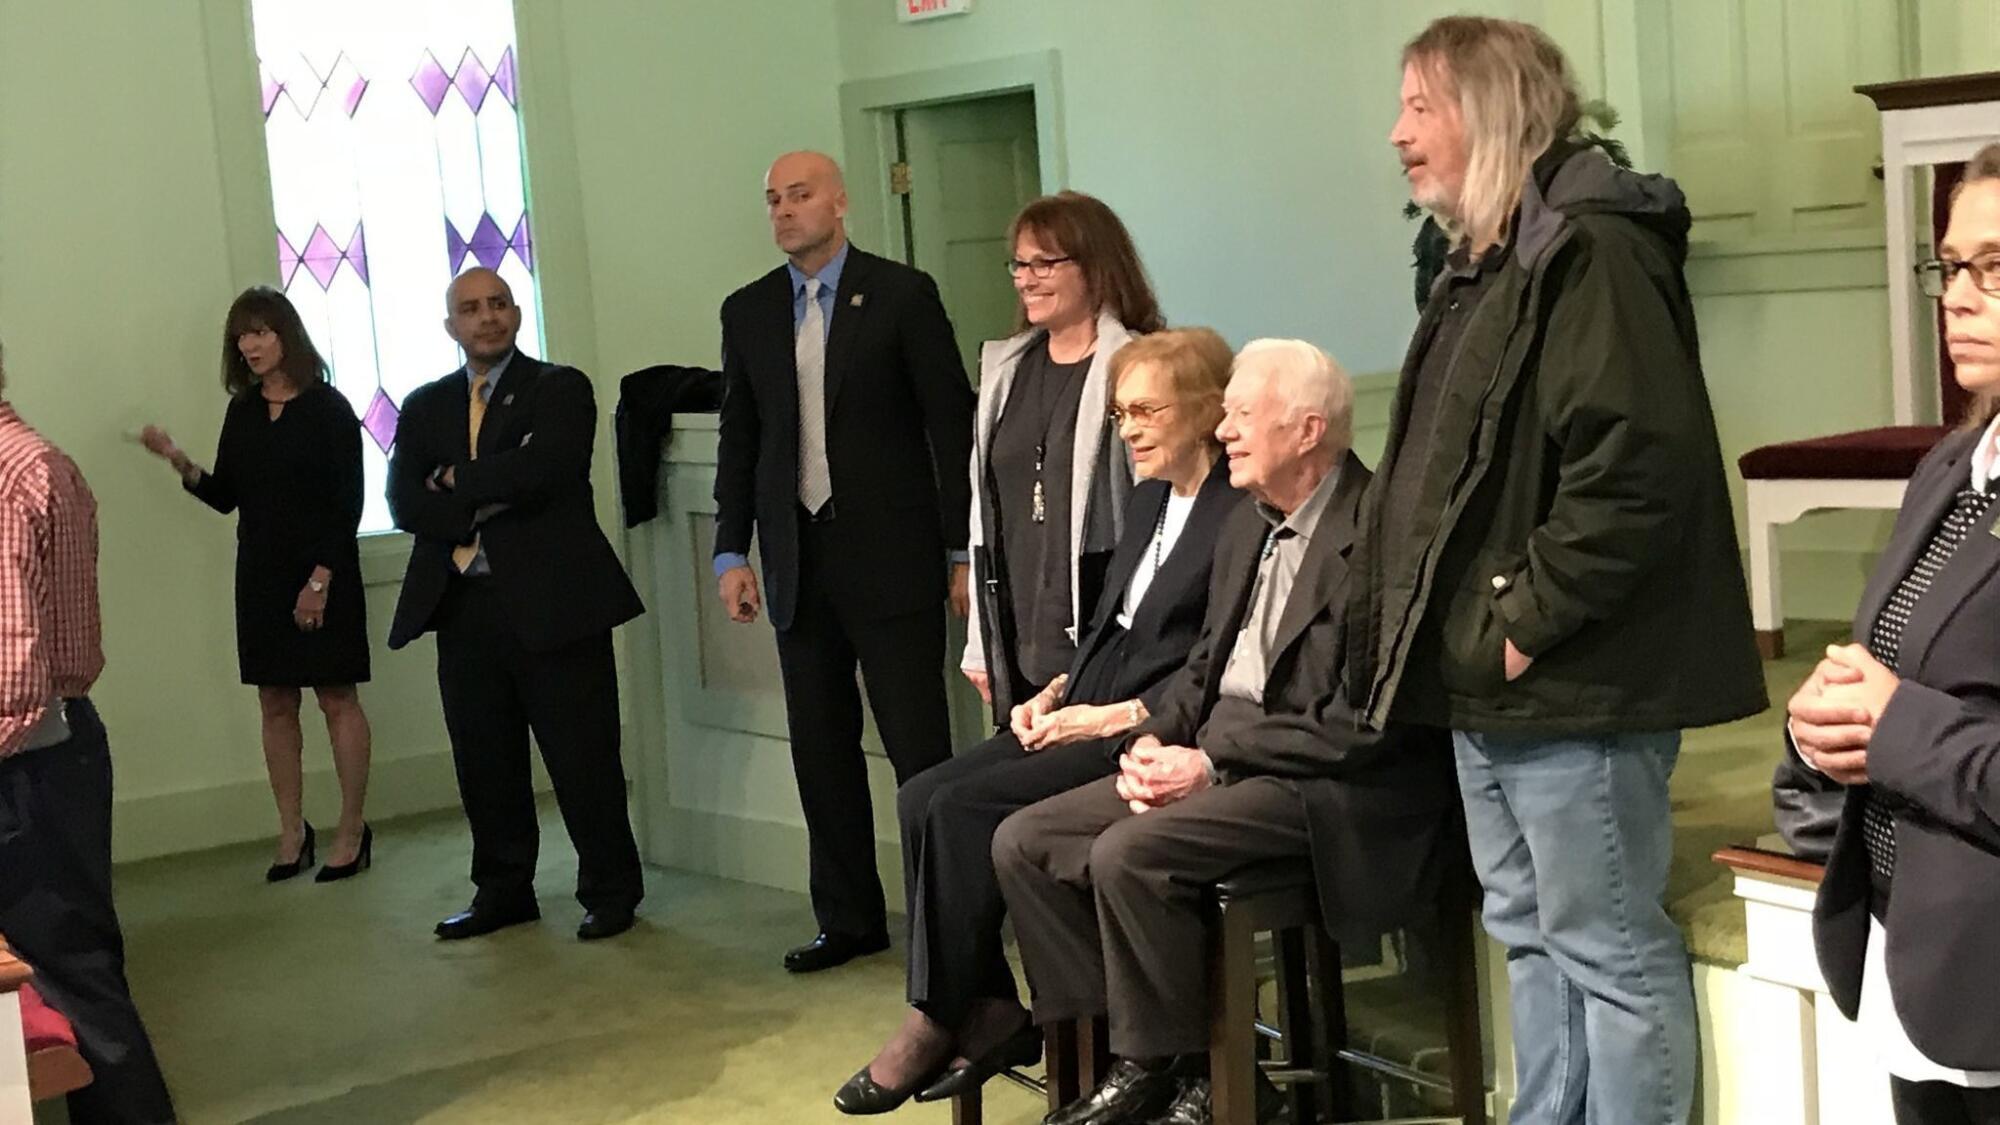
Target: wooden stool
(1281, 898)
(1075, 1056)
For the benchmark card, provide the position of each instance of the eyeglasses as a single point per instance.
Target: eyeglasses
(1040, 267)
(1141, 413)
(1935, 276)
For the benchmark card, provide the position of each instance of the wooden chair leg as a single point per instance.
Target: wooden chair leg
(968, 1109)
(1462, 1031)
(1232, 1019)
(1059, 1049)
(1331, 1037)
(1093, 1052)
(1295, 1010)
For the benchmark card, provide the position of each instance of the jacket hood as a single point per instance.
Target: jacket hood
(1573, 179)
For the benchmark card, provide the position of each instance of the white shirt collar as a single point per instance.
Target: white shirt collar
(1984, 455)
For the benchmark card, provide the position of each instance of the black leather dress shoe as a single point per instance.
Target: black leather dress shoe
(1129, 1095)
(830, 949)
(480, 921)
(1191, 1105)
(862, 1096)
(609, 922)
(1019, 1049)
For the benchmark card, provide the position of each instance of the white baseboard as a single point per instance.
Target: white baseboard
(195, 819)
(771, 853)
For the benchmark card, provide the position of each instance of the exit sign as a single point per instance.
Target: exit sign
(910, 11)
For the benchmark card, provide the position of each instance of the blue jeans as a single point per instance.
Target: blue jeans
(1572, 839)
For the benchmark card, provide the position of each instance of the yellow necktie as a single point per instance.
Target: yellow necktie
(461, 557)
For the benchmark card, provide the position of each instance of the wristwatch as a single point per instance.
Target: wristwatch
(315, 585)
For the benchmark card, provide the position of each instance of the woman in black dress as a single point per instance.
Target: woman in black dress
(289, 463)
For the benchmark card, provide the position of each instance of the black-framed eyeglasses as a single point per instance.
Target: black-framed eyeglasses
(1935, 276)
(1039, 267)
(1142, 413)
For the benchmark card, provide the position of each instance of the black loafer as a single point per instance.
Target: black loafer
(1130, 1093)
(830, 949)
(480, 921)
(862, 1096)
(600, 924)
(1191, 1106)
(1019, 1049)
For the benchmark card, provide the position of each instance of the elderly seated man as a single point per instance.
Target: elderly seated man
(1253, 755)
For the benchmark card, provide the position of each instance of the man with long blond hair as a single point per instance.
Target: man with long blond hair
(1548, 563)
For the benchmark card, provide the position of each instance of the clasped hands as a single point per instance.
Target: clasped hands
(1039, 723)
(1153, 775)
(1833, 715)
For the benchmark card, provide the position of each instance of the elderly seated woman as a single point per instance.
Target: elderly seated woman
(1252, 754)
(966, 1020)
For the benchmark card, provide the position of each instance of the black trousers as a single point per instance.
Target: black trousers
(902, 662)
(949, 814)
(1107, 904)
(56, 911)
(496, 692)
(1941, 1103)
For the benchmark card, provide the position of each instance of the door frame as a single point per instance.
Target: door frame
(868, 125)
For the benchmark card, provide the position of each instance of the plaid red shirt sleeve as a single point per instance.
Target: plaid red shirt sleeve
(51, 638)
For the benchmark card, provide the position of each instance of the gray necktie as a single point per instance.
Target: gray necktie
(815, 482)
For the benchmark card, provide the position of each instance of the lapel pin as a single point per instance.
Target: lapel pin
(855, 300)
(508, 401)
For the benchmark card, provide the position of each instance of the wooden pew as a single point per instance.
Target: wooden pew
(48, 1071)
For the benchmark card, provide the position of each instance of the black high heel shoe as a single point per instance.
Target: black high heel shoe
(279, 872)
(363, 859)
(862, 1096)
(1019, 1049)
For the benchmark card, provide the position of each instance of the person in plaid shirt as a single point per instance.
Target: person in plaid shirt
(55, 775)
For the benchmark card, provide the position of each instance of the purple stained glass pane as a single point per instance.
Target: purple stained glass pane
(354, 92)
(489, 243)
(505, 77)
(454, 245)
(322, 257)
(431, 82)
(523, 243)
(288, 261)
(472, 80)
(380, 420)
(357, 254)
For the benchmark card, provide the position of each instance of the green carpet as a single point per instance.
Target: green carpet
(300, 1004)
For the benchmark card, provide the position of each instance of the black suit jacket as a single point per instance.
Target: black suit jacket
(898, 438)
(1169, 617)
(1935, 758)
(1381, 806)
(561, 580)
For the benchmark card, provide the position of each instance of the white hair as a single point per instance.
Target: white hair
(1306, 380)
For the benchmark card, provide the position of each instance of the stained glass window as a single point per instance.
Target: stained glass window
(394, 136)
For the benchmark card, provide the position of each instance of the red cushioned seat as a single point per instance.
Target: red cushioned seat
(1883, 453)
(43, 1026)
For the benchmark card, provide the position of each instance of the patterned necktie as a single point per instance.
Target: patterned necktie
(809, 349)
(1885, 641)
(461, 557)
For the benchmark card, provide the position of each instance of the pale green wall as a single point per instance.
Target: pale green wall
(122, 240)
(1247, 151)
(1246, 148)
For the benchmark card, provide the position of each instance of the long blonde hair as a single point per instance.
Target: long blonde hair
(1517, 96)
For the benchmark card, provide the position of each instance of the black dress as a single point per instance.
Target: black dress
(295, 482)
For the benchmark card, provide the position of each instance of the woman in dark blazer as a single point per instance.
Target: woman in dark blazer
(289, 464)
(1049, 484)
(964, 1006)
(1907, 923)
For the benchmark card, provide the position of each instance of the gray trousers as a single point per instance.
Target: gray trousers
(1108, 904)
